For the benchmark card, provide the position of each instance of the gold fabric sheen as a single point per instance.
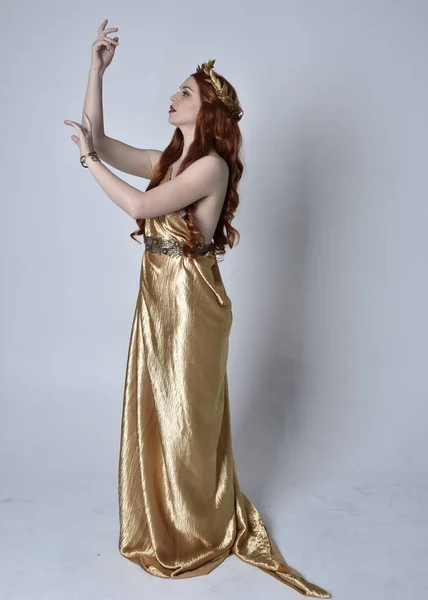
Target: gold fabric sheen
(181, 509)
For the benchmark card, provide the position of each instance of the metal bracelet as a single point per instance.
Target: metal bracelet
(92, 154)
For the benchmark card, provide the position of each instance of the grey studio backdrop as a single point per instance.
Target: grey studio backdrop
(328, 351)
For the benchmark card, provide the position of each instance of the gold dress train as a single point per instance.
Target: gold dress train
(181, 509)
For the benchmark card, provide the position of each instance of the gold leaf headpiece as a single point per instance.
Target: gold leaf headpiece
(222, 91)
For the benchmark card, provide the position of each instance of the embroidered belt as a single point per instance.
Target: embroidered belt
(172, 247)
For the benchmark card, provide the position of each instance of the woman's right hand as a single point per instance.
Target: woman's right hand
(103, 48)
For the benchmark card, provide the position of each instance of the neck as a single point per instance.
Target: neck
(188, 132)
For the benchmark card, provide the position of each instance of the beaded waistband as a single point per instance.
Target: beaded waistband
(172, 247)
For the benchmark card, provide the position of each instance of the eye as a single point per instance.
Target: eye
(184, 92)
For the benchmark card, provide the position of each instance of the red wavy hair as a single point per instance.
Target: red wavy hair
(215, 128)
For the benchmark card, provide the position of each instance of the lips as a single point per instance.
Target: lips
(172, 109)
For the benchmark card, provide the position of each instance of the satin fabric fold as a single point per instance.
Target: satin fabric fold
(181, 509)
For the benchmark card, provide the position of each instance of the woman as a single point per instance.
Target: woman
(181, 508)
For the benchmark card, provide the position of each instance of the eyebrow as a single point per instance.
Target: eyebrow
(186, 86)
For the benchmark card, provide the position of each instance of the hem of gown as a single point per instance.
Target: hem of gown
(299, 584)
(296, 582)
(292, 578)
(203, 569)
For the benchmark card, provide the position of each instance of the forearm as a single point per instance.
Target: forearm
(93, 104)
(127, 197)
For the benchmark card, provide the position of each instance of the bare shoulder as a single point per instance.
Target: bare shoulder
(216, 160)
(222, 170)
(216, 169)
(208, 209)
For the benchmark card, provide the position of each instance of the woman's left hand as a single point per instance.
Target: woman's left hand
(85, 141)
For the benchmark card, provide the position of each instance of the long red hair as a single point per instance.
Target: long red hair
(215, 128)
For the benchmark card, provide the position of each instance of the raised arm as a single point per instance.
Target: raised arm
(121, 156)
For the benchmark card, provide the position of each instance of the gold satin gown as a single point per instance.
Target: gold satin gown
(181, 509)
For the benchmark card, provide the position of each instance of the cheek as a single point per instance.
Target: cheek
(190, 108)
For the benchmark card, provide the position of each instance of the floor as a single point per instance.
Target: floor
(359, 541)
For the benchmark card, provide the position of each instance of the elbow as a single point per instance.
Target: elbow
(136, 213)
(136, 210)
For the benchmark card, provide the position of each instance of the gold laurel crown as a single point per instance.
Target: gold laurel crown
(222, 91)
